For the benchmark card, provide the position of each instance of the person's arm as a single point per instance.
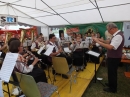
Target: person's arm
(104, 41)
(26, 69)
(33, 47)
(107, 46)
(54, 54)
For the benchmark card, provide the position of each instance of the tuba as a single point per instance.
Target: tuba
(22, 36)
(32, 35)
(7, 38)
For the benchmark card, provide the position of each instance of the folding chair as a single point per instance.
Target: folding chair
(32, 89)
(61, 66)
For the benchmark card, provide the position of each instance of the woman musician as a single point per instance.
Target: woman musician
(36, 46)
(15, 46)
(77, 48)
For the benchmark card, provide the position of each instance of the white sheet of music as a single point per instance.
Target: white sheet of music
(8, 66)
(93, 53)
(40, 50)
(66, 49)
(49, 50)
(1, 89)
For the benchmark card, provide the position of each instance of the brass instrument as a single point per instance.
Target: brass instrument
(22, 36)
(32, 35)
(7, 38)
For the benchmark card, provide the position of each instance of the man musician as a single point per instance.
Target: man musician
(57, 51)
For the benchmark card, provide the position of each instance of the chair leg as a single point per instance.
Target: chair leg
(58, 93)
(70, 83)
(54, 80)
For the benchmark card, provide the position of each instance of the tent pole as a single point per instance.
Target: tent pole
(99, 11)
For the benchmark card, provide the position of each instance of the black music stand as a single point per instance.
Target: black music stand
(97, 55)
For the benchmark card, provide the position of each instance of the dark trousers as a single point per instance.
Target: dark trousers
(112, 72)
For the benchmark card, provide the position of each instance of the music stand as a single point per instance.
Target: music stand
(95, 54)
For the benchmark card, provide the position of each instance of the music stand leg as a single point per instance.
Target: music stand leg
(95, 73)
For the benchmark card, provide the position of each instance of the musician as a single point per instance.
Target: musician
(114, 54)
(21, 65)
(36, 44)
(57, 51)
(77, 48)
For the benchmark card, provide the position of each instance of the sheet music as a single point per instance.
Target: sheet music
(8, 66)
(93, 53)
(66, 49)
(0, 53)
(49, 50)
(40, 50)
(1, 89)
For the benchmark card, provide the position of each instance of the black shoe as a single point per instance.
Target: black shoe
(77, 70)
(65, 76)
(109, 90)
(107, 84)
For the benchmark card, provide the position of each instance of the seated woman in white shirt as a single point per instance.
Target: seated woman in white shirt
(21, 66)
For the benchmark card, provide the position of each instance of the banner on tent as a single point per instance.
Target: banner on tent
(8, 19)
(90, 28)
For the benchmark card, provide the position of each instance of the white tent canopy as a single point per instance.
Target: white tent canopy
(66, 12)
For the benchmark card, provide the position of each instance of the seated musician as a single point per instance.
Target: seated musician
(57, 51)
(36, 44)
(3, 46)
(77, 48)
(15, 46)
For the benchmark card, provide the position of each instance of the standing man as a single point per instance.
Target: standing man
(114, 54)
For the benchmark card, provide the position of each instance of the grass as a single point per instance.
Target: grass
(96, 89)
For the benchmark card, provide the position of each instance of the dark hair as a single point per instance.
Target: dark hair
(51, 36)
(12, 40)
(13, 46)
(40, 34)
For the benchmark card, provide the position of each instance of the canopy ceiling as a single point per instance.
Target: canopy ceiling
(66, 12)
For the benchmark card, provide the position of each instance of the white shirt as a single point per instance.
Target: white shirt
(77, 45)
(22, 67)
(116, 40)
(52, 44)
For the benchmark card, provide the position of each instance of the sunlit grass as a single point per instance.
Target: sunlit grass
(96, 89)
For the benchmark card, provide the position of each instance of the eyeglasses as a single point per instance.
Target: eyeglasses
(109, 29)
